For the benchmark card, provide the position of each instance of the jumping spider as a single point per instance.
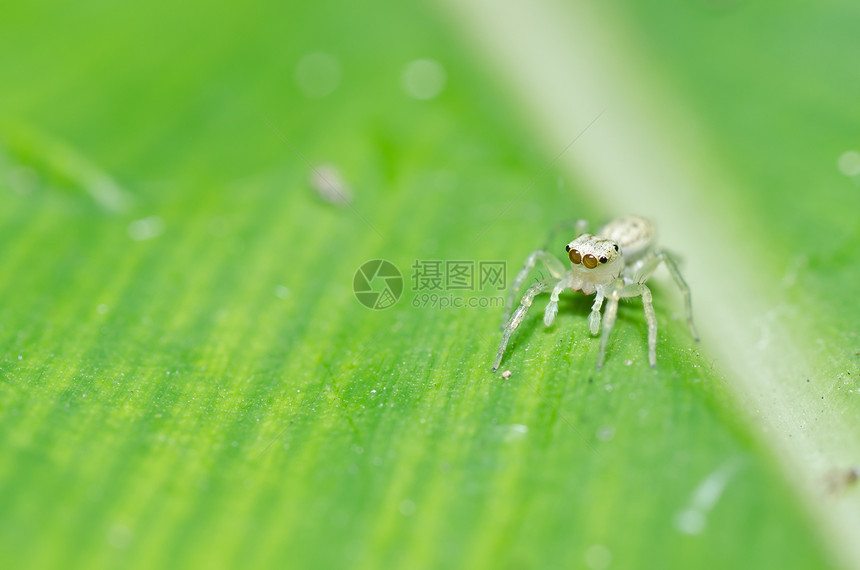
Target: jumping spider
(615, 264)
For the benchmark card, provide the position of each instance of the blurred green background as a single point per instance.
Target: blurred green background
(187, 380)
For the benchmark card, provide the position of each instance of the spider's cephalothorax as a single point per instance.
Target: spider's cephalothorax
(614, 263)
(593, 261)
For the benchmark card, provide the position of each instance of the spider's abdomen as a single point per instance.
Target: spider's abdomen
(633, 234)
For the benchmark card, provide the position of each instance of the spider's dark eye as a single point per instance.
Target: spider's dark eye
(603, 260)
(616, 247)
(567, 247)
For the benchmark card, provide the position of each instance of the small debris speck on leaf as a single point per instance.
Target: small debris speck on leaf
(329, 185)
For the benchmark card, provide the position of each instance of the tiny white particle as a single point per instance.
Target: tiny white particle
(318, 75)
(282, 292)
(512, 432)
(119, 536)
(373, 391)
(849, 163)
(506, 374)
(606, 433)
(628, 362)
(146, 228)
(407, 508)
(102, 309)
(598, 557)
(423, 79)
(326, 181)
(20, 357)
(690, 521)
(515, 432)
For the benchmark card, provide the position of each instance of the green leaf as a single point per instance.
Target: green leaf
(188, 379)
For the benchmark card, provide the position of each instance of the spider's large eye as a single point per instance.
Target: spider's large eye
(589, 261)
(574, 256)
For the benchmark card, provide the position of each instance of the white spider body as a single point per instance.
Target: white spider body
(613, 264)
(635, 236)
(599, 262)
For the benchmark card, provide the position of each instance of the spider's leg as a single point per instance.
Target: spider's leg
(594, 318)
(519, 315)
(608, 323)
(552, 264)
(683, 287)
(647, 268)
(552, 307)
(624, 291)
(651, 319)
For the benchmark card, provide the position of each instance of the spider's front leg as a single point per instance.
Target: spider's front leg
(552, 307)
(520, 314)
(618, 290)
(594, 317)
(552, 264)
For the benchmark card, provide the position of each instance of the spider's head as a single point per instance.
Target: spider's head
(594, 260)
